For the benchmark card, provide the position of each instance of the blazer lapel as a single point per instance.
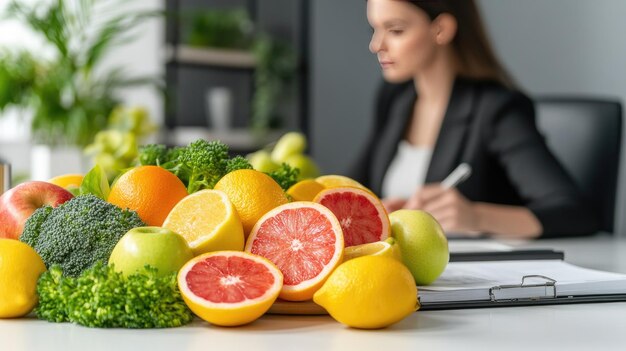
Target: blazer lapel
(399, 117)
(453, 132)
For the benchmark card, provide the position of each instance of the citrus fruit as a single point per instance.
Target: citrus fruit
(229, 288)
(369, 292)
(304, 240)
(305, 190)
(20, 267)
(151, 191)
(253, 194)
(388, 248)
(335, 180)
(208, 221)
(423, 244)
(67, 180)
(361, 214)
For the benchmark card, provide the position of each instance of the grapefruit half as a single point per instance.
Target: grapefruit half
(362, 216)
(229, 288)
(304, 240)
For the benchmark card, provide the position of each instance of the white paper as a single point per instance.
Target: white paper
(471, 281)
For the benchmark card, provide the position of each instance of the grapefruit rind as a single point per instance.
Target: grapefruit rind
(230, 314)
(304, 290)
(373, 199)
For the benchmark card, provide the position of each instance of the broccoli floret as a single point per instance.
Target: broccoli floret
(153, 154)
(285, 176)
(206, 162)
(79, 233)
(31, 231)
(101, 297)
(238, 162)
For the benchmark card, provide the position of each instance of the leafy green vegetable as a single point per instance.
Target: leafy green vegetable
(285, 176)
(153, 155)
(78, 233)
(96, 183)
(103, 298)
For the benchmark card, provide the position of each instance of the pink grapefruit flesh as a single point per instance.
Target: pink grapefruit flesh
(304, 240)
(362, 216)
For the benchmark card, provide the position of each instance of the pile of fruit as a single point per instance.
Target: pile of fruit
(191, 229)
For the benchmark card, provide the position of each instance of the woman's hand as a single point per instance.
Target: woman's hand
(451, 209)
(393, 203)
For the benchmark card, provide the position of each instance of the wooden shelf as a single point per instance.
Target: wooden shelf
(211, 57)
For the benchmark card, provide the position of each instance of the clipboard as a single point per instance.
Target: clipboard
(516, 255)
(565, 284)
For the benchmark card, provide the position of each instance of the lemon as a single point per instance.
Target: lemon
(253, 194)
(67, 181)
(388, 248)
(369, 292)
(208, 221)
(305, 190)
(20, 267)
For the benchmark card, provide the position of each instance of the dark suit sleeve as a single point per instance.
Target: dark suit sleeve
(548, 190)
(360, 169)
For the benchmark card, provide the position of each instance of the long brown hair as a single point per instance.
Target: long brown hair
(471, 44)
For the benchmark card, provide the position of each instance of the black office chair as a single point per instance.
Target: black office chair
(585, 135)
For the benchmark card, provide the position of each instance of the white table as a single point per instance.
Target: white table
(558, 327)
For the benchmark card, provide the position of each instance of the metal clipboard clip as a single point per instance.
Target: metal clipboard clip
(515, 292)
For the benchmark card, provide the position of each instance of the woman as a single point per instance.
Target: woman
(449, 101)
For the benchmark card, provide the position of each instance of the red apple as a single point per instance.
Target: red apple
(17, 204)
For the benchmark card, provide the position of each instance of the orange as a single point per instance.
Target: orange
(67, 180)
(208, 221)
(305, 190)
(151, 191)
(253, 193)
(304, 240)
(229, 288)
(335, 180)
(362, 215)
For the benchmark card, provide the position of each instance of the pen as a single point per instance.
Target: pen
(460, 173)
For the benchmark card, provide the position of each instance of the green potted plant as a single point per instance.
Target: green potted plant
(69, 95)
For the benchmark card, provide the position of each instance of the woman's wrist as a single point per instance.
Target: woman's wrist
(503, 220)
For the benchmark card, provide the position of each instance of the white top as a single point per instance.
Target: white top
(407, 170)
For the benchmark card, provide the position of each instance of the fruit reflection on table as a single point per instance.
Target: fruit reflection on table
(221, 236)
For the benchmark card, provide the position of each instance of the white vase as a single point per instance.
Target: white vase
(47, 162)
(219, 105)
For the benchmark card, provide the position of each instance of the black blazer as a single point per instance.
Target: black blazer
(493, 129)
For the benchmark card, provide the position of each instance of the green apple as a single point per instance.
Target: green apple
(422, 242)
(262, 161)
(308, 168)
(155, 246)
(291, 143)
